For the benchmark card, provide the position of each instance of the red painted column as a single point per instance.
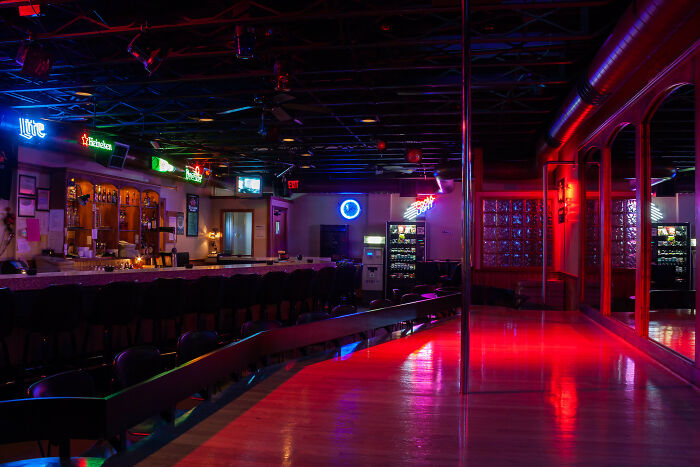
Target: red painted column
(642, 274)
(605, 231)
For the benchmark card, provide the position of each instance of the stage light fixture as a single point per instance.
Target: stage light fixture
(148, 53)
(34, 60)
(245, 42)
(381, 144)
(414, 155)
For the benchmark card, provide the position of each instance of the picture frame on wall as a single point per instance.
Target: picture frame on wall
(42, 199)
(26, 185)
(192, 215)
(26, 207)
(180, 224)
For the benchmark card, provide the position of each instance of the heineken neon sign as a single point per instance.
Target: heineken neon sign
(161, 165)
(90, 142)
(193, 174)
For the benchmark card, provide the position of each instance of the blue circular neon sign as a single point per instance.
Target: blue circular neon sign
(350, 209)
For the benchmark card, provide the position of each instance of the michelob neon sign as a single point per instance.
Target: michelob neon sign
(28, 129)
(418, 207)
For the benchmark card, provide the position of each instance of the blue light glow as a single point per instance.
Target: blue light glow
(350, 209)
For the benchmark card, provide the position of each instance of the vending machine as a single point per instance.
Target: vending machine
(373, 268)
(405, 247)
(670, 256)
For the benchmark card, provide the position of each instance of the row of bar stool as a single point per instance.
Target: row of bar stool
(58, 314)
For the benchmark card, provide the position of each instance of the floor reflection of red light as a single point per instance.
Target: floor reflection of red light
(674, 329)
(546, 389)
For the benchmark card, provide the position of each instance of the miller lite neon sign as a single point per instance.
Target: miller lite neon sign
(418, 207)
(28, 129)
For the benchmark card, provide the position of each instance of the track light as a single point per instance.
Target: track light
(148, 53)
(245, 42)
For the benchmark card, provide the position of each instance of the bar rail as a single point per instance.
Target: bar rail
(107, 418)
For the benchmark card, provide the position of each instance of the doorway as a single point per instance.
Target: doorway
(238, 232)
(279, 230)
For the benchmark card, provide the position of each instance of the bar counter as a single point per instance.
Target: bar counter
(96, 278)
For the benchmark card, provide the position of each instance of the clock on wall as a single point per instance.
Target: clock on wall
(350, 209)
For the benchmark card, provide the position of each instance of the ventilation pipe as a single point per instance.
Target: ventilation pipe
(644, 26)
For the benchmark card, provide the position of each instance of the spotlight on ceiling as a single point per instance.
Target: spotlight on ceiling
(288, 140)
(368, 120)
(245, 42)
(414, 155)
(306, 154)
(83, 94)
(34, 60)
(206, 119)
(150, 55)
(381, 144)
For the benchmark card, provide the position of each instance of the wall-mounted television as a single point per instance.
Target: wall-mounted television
(249, 185)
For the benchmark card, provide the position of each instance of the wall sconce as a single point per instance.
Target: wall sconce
(562, 199)
(214, 235)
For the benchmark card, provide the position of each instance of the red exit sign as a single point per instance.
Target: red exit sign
(293, 184)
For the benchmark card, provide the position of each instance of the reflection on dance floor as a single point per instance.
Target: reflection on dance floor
(674, 329)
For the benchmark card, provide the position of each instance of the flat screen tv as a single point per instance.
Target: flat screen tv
(247, 185)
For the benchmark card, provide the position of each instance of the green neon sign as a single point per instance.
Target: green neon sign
(193, 174)
(161, 165)
(90, 142)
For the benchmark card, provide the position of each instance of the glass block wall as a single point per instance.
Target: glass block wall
(624, 233)
(512, 233)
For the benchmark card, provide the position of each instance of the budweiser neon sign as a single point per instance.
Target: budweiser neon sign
(418, 207)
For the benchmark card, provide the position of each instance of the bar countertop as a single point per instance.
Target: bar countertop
(96, 278)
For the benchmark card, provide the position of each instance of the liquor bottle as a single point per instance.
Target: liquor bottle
(127, 198)
(115, 197)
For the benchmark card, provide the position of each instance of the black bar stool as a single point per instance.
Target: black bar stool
(164, 300)
(7, 322)
(57, 310)
(241, 295)
(272, 292)
(115, 305)
(298, 292)
(322, 288)
(205, 297)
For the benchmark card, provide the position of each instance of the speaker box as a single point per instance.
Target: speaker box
(116, 159)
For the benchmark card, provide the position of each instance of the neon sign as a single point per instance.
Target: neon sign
(90, 142)
(350, 209)
(29, 129)
(161, 165)
(418, 207)
(193, 174)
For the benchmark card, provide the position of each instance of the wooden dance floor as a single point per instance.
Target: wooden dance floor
(546, 389)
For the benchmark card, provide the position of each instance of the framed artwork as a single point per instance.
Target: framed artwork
(192, 215)
(180, 224)
(27, 185)
(26, 207)
(42, 199)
